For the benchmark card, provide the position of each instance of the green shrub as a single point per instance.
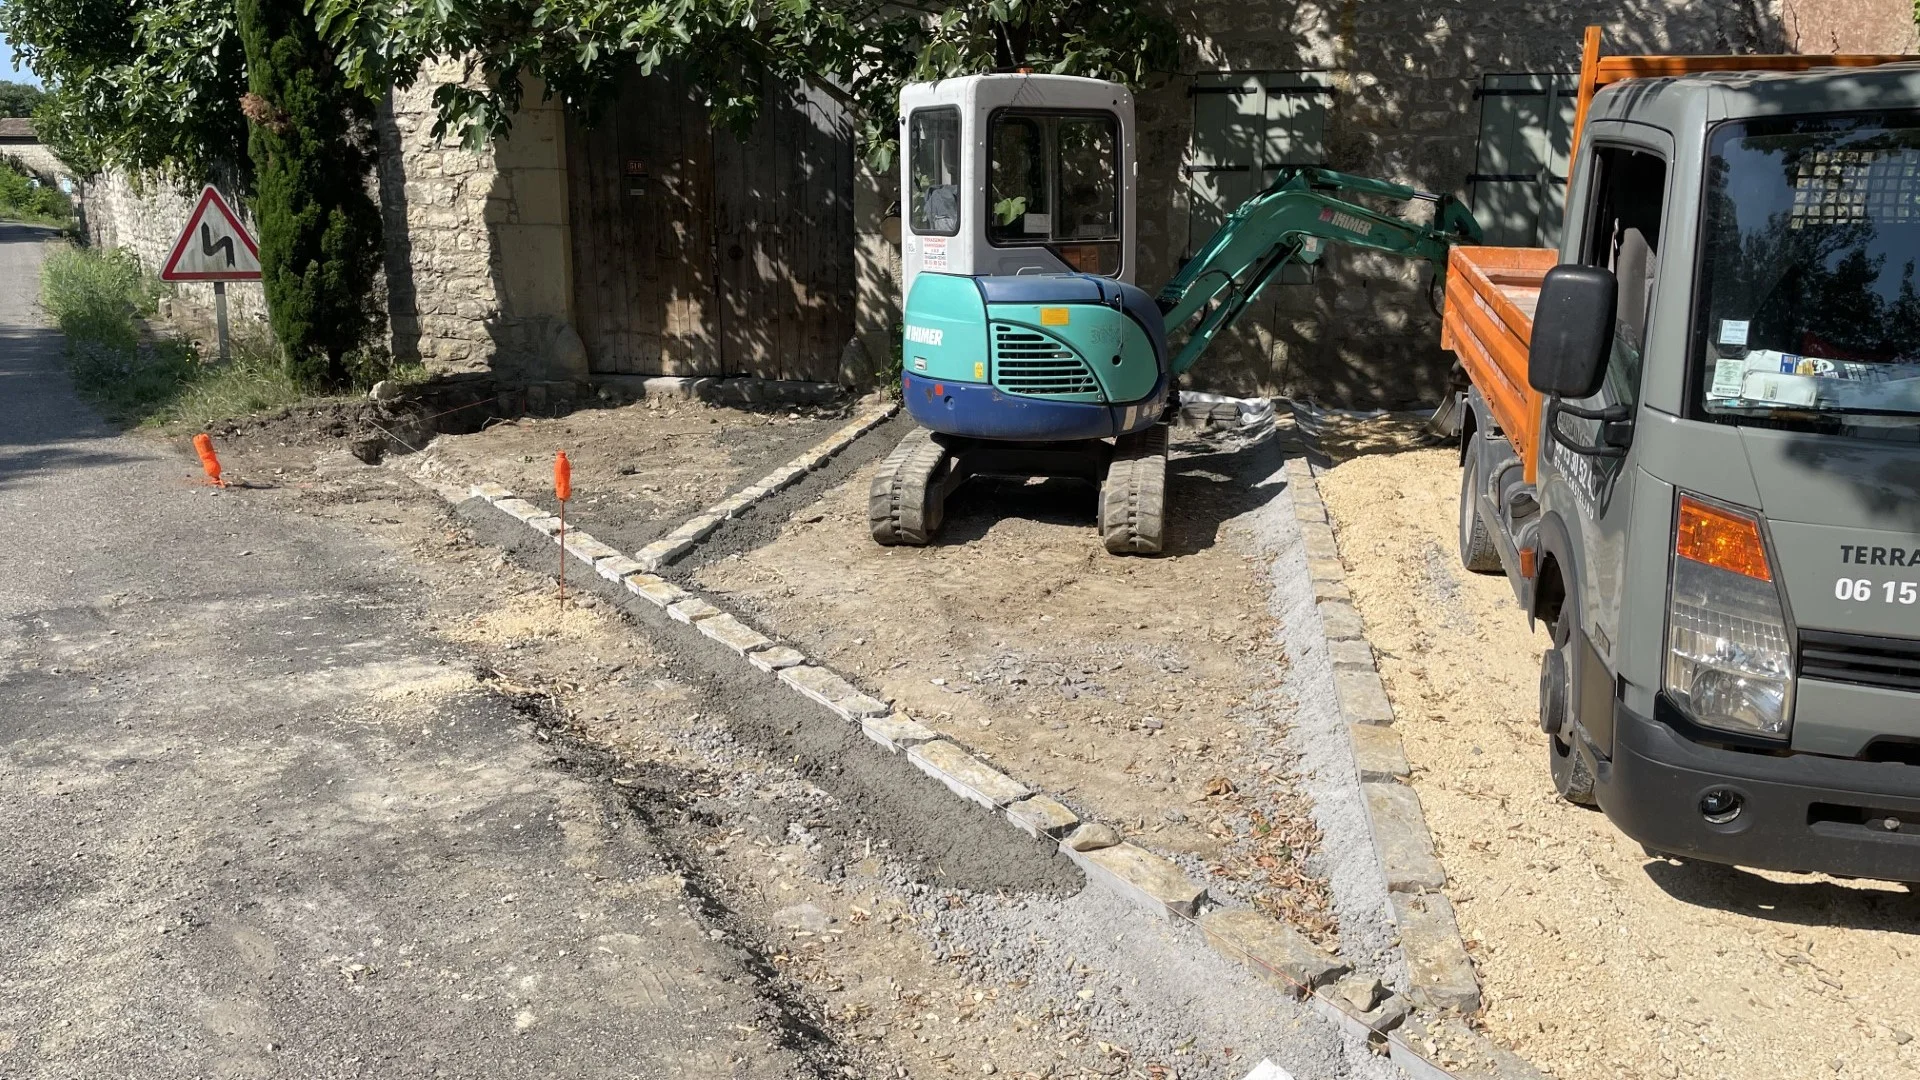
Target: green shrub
(95, 297)
(26, 197)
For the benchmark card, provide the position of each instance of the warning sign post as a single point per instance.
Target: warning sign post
(214, 247)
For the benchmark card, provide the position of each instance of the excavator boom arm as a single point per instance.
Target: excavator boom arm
(1292, 221)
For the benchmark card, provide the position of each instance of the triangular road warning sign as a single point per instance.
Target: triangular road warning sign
(214, 246)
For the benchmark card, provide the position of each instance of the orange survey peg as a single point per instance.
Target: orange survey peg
(203, 445)
(563, 490)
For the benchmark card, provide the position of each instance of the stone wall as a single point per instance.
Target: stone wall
(1849, 26)
(34, 157)
(479, 260)
(1363, 333)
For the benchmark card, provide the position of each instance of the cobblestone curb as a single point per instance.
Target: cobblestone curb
(1443, 984)
(677, 543)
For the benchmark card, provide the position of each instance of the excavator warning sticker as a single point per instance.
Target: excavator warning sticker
(934, 254)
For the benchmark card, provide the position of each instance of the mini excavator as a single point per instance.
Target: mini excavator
(1027, 349)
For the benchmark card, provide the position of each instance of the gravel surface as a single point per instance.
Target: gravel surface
(1597, 960)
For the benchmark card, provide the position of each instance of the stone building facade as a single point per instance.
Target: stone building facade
(1471, 98)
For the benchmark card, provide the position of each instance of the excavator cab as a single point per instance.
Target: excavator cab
(1022, 322)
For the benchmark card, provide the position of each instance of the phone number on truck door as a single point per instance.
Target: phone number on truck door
(1867, 590)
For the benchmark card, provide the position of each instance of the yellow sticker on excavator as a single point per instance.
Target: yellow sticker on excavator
(1053, 316)
(979, 369)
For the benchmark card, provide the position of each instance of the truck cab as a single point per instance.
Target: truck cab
(1709, 489)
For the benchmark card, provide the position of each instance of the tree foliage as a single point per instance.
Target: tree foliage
(143, 85)
(731, 50)
(18, 99)
(312, 150)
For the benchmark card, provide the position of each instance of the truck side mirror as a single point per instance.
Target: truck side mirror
(1572, 331)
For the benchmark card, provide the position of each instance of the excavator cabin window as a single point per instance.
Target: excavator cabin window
(1053, 180)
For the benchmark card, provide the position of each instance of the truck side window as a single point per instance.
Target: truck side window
(1624, 237)
(933, 155)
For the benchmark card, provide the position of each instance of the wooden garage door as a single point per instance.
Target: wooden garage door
(696, 253)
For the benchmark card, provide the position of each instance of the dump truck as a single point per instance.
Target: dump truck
(1690, 439)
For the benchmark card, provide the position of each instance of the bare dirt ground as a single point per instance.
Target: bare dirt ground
(1596, 960)
(640, 470)
(1132, 689)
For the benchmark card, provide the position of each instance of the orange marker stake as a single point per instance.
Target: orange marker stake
(563, 490)
(203, 445)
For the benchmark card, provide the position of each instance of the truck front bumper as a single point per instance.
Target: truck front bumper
(1799, 812)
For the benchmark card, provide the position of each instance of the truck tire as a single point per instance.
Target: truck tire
(1477, 552)
(1571, 777)
(905, 502)
(1133, 498)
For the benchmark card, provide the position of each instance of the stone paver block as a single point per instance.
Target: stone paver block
(783, 477)
(656, 591)
(897, 731)
(1326, 570)
(823, 685)
(1438, 969)
(520, 508)
(1041, 817)
(1341, 621)
(1320, 542)
(1474, 1056)
(734, 634)
(584, 547)
(1156, 884)
(1276, 952)
(1331, 590)
(967, 776)
(546, 523)
(493, 493)
(1312, 512)
(1377, 753)
(696, 528)
(1362, 697)
(617, 568)
(731, 506)
(1401, 839)
(692, 610)
(776, 658)
(1353, 654)
(861, 707)
(661, 552)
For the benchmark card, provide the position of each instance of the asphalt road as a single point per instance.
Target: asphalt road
(258, 821)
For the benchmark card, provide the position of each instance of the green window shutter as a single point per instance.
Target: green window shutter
(1296, 110)
(1222, 160)
(1563, 100)
(1519, 179)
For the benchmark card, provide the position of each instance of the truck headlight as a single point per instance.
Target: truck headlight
(1729, 654)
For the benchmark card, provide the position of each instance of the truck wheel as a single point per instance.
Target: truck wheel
(1477, 552)
(1571, 777)
(1133, 498)
(905, 503)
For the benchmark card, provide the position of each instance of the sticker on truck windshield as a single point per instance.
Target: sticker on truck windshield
(1733, 332)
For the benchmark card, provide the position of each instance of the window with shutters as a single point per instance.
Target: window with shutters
(1519, 184)
(1245, 127)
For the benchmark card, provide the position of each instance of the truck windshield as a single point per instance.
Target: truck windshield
(1809, 313)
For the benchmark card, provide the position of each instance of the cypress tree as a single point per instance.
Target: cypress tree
(312, 150)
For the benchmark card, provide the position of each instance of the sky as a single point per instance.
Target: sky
(12, 71)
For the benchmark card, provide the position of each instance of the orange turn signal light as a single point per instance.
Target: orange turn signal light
(1723, 538)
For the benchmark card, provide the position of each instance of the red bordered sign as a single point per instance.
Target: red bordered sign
(214, 246)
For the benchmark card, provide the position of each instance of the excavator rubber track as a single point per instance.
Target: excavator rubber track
(1133, 497)
(906, 501)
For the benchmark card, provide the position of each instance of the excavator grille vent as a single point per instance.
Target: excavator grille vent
(1027, 361)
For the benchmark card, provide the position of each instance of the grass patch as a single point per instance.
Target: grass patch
(30, 198)
(97, 297)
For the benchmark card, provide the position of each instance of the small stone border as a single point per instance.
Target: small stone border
(1442, 980)
(737, 391)
(1276, 953)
